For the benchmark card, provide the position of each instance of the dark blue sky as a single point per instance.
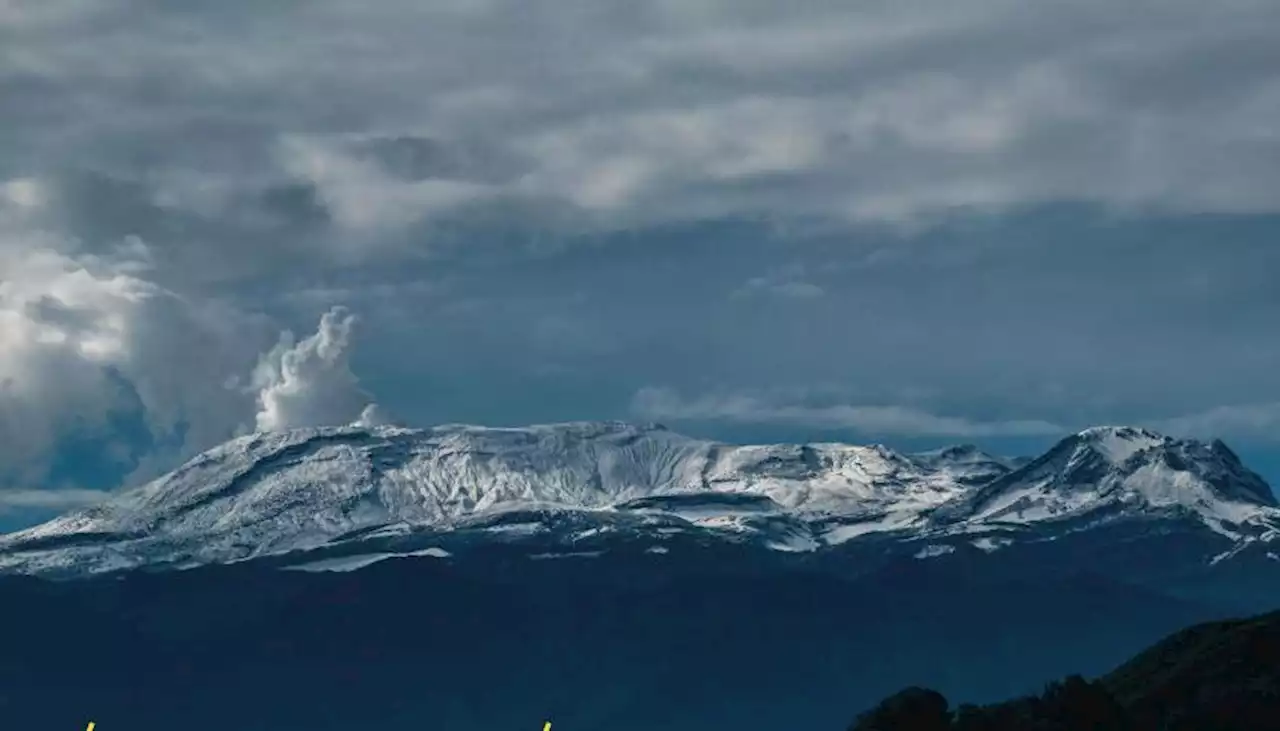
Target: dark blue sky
(748, 220)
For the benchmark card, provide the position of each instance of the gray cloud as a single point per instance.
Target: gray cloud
(1066, 210)
(637, 114)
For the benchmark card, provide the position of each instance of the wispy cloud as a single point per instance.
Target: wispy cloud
(62, 499)
(888, 420)
(785, 288)
(1255, 422)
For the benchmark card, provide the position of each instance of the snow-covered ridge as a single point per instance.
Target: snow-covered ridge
(276, 492)
(355, 476)
(1123, 470)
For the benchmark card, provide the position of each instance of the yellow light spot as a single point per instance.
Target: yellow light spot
(544, 728)
(91, 726)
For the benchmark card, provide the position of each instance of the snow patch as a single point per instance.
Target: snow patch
(522, 529)
(896, 520)
(990, 545)
(572, 554)
(352, 563)
(1118, 444)
(934, 550)
(795, 543)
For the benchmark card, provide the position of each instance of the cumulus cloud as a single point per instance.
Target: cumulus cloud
(891, 420)
(86, 339)
(93, 342)
(310, 383)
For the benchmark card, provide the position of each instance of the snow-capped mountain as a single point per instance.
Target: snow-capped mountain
(1115, 472)
(274, 493)
(581, 570)
(967, 464)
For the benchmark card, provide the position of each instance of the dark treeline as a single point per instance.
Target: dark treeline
(1221, 676)
(1074, 704)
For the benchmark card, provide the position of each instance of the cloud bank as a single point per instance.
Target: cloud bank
(628, 114)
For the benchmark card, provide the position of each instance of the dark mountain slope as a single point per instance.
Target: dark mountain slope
(1218, 676)
(512, 642)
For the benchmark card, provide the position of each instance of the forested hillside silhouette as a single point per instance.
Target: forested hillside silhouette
(1219, 676)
